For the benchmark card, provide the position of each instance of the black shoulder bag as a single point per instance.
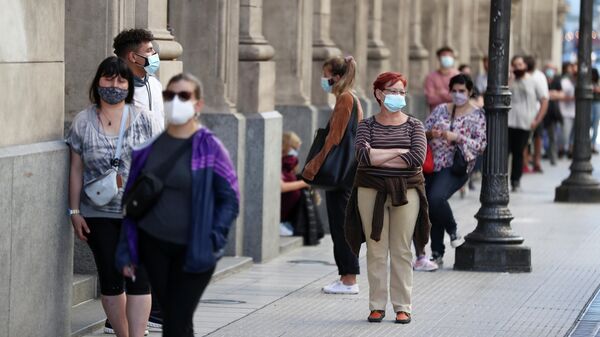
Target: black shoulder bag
(459, 164)
(339, 166)
(148, 186)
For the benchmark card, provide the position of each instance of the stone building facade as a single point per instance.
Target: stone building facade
(260, 61)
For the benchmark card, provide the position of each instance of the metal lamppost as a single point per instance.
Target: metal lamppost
(580, 186)
(493, 246)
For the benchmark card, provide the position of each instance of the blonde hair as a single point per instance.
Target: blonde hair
(289, 140)
(345, 67)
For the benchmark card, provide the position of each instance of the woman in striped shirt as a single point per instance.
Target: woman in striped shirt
(388, 206)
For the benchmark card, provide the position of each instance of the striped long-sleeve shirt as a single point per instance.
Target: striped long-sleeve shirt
(409, 135)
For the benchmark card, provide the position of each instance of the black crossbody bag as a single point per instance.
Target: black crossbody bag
(459, 164)
(149, 185)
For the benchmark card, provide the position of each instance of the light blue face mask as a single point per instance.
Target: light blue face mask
(550, 73)
(152, 63)
(393, 103)
(293, 152)
(325, 84)
(447, 61)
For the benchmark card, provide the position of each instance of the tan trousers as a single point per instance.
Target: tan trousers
(396, 238)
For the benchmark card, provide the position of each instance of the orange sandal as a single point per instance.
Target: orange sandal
(376, 316)
(402, 317)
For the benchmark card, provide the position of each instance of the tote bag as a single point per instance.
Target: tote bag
(340, 164)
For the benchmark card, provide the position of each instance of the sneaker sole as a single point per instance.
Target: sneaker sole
(426, 270)
(110, 331)
(339, 292)
(154, 327)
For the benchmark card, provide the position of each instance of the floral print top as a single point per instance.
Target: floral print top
(471, 140)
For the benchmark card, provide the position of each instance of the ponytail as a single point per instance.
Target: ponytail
(345, 67)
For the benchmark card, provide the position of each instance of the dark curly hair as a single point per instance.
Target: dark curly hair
(130, 39)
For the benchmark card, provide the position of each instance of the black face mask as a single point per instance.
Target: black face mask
(519, 73)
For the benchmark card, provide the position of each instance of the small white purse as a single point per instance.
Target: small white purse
(104, 188)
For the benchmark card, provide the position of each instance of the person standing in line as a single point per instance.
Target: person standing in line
(338, 78)
(388, 205)
(436, 83)
(135, 47)
(182, 236)
(595, 109)
(523, 117)
(567, 108)
(553, 117)
(93, 140)
(481, 79)
(451, 127)
(541, 84)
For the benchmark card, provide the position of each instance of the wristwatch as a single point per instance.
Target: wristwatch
(73, 211)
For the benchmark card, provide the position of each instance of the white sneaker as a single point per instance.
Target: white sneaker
(456, 240)
(424, 264)
(338, 287)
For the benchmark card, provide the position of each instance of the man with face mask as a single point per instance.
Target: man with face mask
(523, 117)
(436, 83)
(135, 47)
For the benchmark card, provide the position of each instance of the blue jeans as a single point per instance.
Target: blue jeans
(440, 186)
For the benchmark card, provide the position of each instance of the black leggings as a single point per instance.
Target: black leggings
(345, 259)
(177, 291)
(517, 141)
(103, 239)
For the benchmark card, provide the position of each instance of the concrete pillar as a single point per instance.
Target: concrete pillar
(477, 52)
(152, 15)
(256, 99)
(378, 54)
(87, 43)
(290, 33)
(36, 245)
(395, 33)
(209, 30)
(323, 49)
(419, 64)
(349, 29)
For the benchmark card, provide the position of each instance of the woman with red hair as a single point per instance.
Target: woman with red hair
(388, 206)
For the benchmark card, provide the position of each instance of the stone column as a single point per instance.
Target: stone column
(323, 49)
(378, 55)
(419, 65)
(395, 33)
(476, 50)
(349, 29)
(152, 15)
(210, 33)
(290, 33)
(87, 43)
(256, 99)
(36, 244)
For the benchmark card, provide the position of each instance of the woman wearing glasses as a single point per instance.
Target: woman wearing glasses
(388, 203)
(181, 237)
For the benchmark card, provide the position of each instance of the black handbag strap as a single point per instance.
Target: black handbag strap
(166, 166)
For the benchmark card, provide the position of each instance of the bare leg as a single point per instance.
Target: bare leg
(348, 279)
(138, 310)
(114, 307)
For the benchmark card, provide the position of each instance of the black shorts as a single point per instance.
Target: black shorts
(539, 131)
(103, 239)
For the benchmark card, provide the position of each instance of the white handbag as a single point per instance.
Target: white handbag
(105, 188)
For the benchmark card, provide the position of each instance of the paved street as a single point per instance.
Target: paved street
(283, 297)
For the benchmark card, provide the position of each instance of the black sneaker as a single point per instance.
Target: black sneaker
(110, 331)
(155, 322)
(108, 328)
(437, 258)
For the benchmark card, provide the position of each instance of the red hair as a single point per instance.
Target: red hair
(387, 79)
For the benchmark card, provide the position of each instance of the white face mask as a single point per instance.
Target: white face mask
(178, 112)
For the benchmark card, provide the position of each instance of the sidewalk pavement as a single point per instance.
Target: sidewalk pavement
(283, 297)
